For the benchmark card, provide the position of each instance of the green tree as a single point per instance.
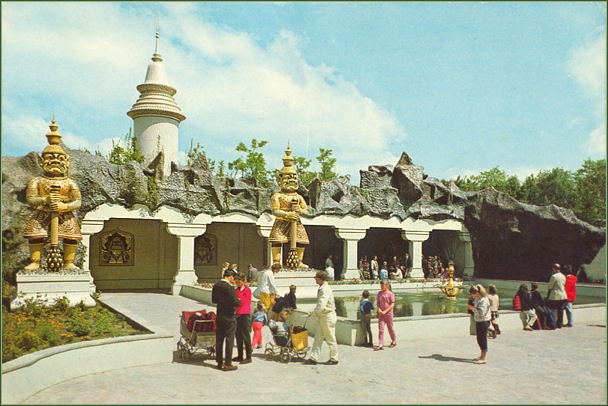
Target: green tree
(194, 152)
(529, 191)
(221, 168)
(555, 186)
(252, 164)
(590, 196)
(120, 154)
(328, 165)
(495, 178)
(301, 165)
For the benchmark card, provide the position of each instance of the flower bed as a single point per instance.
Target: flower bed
(37, 326)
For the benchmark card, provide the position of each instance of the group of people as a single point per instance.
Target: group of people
(233, 298)
(252, 274)
(548, 313)
(395, 268)
(536, 312)
(384, 269)
(234, 318)
(432, 267)
(324, 312)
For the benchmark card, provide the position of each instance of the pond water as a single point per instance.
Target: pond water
(423, 302)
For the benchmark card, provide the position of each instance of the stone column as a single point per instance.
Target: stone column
(350, 254)
(415, 240)
(89, 228)
(186, 233)
(469, 266)
(264, 231)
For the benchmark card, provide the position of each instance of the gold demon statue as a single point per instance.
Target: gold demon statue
(287, 205)
(54, 197)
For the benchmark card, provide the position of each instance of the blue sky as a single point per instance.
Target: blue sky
(461, 87)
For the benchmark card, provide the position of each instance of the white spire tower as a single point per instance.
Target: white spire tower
(156, 116)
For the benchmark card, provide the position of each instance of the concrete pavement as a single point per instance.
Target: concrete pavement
(566, 366)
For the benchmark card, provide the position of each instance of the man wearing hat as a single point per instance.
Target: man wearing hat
(224, 295)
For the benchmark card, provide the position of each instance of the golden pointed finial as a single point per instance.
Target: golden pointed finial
(288, 162)
(53, 136)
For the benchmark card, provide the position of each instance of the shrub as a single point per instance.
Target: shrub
(37, 326)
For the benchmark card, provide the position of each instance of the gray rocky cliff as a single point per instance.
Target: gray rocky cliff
(510, 240)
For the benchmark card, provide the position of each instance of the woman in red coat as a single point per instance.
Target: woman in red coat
(570, 293)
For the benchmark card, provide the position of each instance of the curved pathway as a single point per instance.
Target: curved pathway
(566, 366)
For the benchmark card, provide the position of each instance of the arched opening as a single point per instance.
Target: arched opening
(383, 242)
(323, 241)
(447, 246)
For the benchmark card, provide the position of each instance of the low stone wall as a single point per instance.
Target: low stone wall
(197, 293)
(27, 375)
(349, 332)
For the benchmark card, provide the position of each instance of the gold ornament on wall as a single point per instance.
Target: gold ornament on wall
(117, 248)
(205, 250)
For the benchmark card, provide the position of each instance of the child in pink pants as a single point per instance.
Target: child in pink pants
(259, 320)
(385, 301)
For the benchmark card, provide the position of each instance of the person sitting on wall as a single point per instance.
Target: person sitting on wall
(287, 302)
(384, 271)
(538, 304)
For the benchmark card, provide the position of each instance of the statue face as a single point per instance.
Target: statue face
(289, 182)
(55, 163)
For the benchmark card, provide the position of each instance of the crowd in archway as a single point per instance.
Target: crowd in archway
(385, 267)
(397, 268)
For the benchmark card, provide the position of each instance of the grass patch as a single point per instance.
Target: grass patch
(38, 325)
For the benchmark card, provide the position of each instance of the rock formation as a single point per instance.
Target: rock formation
(511, 240)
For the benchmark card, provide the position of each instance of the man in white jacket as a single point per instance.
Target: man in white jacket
(326, 331)
(557, 294)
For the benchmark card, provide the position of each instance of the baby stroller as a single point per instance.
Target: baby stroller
(197, 333)
(295, 343)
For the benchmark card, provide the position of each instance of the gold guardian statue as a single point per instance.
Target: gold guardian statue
(54, 197)
(287, 205)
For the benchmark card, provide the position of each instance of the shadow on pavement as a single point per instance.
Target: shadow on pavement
(440, 357)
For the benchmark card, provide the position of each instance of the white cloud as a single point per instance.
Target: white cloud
(588, 65)
(597, 142)
(28, 133)
(230, 87)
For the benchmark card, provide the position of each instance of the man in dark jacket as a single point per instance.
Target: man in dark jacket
(224, 295)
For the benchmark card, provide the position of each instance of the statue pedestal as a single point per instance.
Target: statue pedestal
(303, 279)
(45, 286)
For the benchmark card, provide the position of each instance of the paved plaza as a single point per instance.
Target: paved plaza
(566, 366)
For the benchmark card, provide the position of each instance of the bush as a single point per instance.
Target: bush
(37, 326)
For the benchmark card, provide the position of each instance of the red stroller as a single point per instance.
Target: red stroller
(197, 333)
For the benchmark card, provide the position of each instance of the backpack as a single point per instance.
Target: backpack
(516, 302)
